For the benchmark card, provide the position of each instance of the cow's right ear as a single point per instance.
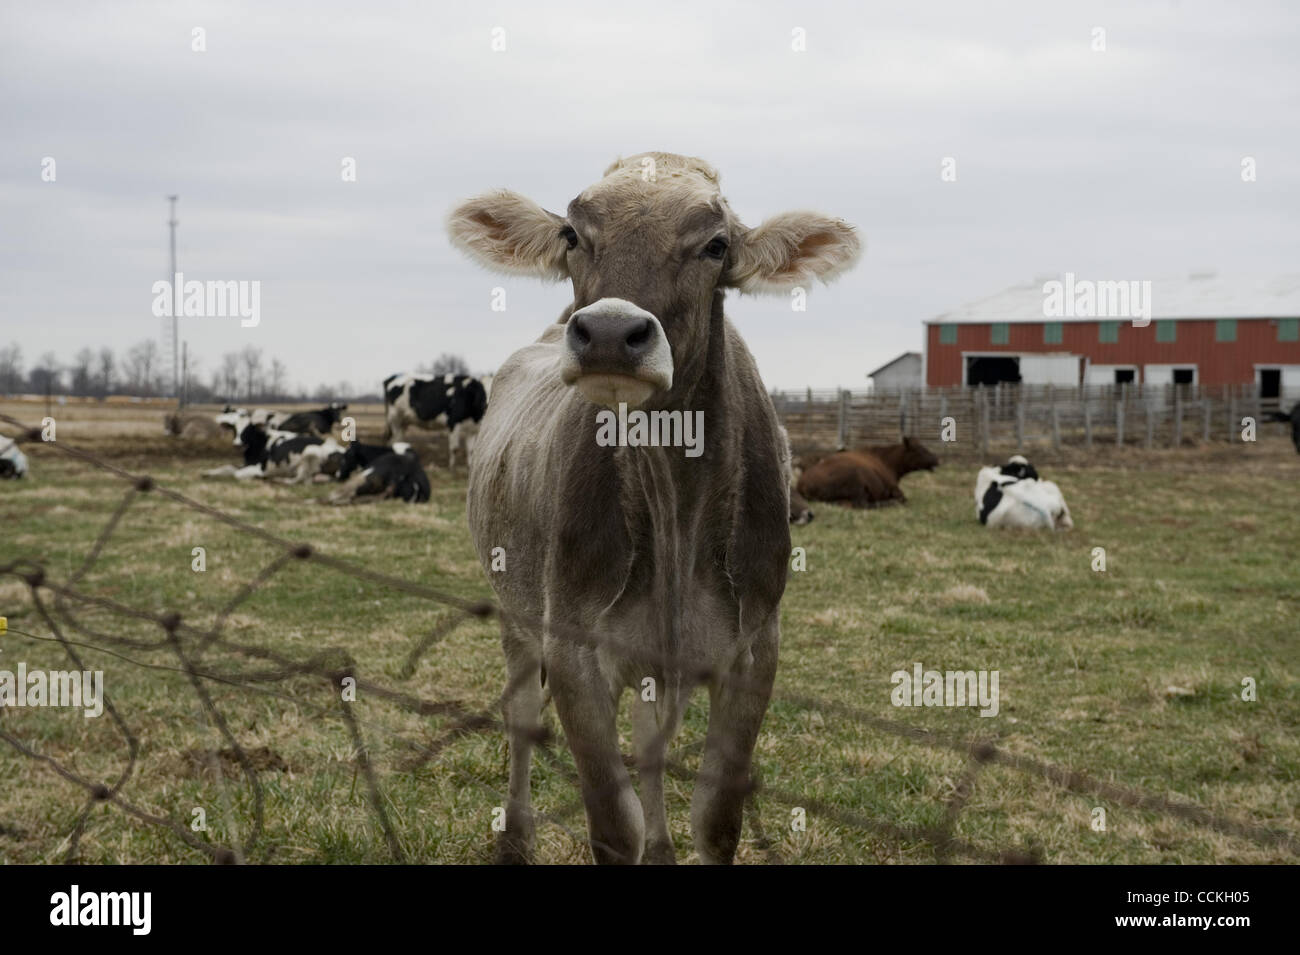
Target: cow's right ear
(508, 233)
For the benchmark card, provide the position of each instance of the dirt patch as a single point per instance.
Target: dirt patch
(197, 763)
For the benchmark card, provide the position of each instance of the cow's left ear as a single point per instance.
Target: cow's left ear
(509, 233)
(792, 249)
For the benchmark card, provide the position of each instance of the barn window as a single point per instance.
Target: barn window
(1108, 333)
(1288, 330)
(1052, 333)
(1225, 330)
(947, 334)
(1166, 331)
(1001, 333)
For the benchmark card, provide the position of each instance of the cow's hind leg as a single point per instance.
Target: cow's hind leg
(652, 741)
(615, 824)
(736, 708)
(521, 704)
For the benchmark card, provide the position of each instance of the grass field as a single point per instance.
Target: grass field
(1199, 592)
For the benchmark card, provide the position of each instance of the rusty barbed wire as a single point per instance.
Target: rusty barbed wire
(189, 644)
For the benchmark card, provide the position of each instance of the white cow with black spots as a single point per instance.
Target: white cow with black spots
(1015, 496)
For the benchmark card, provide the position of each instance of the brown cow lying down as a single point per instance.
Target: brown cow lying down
(867, 477)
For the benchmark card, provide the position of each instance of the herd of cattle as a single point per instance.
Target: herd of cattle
(300, 447)
(1010, 496)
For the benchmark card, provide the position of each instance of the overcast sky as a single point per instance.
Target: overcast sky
(1117, 164)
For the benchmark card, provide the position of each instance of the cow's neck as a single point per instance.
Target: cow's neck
(682, 511)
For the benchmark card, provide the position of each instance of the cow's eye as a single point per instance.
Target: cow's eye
(570, 236)
(716, 249)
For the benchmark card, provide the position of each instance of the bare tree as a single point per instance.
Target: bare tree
(251, 358)
(141, 367)
(277, 380)
(446, 364)
(230, 375)
(11, 368)
(106, 369)
(45, 377)
(82, 383)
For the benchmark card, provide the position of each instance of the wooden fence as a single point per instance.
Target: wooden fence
(1009, 417)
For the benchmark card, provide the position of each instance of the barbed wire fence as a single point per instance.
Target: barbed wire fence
(264, 669)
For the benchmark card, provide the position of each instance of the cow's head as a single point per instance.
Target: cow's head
(917, 457)
(650, 249)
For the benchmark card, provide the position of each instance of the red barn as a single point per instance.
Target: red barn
(1202, 330)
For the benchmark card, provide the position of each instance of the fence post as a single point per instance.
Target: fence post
(943, 409)
(1087, 424)
(984, 415)
(1178, 417)
(1119, 420)
(1232, 413)
(1020, 418)
(1205, 433)
(902, 414)
(1151, 424)
(844, 418)
(1056, 429)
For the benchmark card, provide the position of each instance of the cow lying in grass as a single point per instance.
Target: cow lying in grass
(1015, 496)
(867, 477)
(13, 463)
(320, 422)
(357, 456)
(1294, 418)
(270, 453)
(394, 473)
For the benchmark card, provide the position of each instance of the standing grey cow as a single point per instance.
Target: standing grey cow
(651, 567)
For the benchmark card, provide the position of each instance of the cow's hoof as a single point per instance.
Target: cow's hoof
(511, 850)
(659, 853)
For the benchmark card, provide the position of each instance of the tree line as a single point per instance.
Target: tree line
(144, 371)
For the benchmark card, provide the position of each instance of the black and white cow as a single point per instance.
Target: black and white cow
(356, 456)
(1014, 496)
(270, 453)
(13, 463)
(396, 473)
(1294, 418)
(320, 422)
(455, 401)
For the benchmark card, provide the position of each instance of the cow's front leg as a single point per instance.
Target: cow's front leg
(736, 708)
(587, 708)
(521, 704)
(652, 741)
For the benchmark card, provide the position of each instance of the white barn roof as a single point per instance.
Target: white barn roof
(1196, 296)
(916, 355)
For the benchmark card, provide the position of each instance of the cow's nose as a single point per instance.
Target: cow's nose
(608, 338)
